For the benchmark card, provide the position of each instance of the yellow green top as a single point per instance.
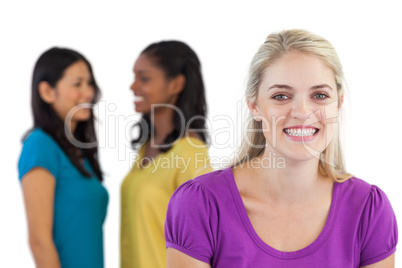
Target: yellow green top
(145, 194)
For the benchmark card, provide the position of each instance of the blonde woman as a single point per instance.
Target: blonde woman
(306, 212)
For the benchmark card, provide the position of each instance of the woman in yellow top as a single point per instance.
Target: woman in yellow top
(169, 93)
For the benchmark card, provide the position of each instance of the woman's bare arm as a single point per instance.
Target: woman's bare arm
(177, 259)
(38, 186)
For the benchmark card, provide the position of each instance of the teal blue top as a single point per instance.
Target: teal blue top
(80, 203)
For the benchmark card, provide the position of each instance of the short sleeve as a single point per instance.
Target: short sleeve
(39, 150)
(190, 221)
(379, 229)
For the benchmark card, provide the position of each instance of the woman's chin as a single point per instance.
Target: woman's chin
(301, 154)
(141, 110)
(82, 116)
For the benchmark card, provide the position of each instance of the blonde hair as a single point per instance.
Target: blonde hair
(275, 46)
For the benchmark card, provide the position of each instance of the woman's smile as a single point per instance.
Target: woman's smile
(301, 133)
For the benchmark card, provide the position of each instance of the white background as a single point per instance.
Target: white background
(225, 36)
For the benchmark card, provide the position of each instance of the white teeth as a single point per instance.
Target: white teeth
(138, 98)
(300, 132)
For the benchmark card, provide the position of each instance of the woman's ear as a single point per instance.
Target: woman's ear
(340, 101)
(46, 92)
(252, 106)
(177, 84)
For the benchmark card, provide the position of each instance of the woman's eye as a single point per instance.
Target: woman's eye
(320, 96)
(77, 84)
(144, 79)
(280, 97)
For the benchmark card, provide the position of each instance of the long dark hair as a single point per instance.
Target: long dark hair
(175, 58)
(50, 68)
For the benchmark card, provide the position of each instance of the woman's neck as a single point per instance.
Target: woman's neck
(297, 183)
(162, 121)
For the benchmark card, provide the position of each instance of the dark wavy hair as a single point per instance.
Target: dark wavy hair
(50, 67)
(175, 58)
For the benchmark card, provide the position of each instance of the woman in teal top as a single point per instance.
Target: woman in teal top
(59, 168)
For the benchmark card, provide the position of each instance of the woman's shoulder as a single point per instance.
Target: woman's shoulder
(214, 178)
(38, 140)
(39, 150)
(358, 193)
(206, 195)
(356, 187)
(190, 143)
(212, 184)
(39, 137)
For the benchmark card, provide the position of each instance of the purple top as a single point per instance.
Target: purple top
(206, 219)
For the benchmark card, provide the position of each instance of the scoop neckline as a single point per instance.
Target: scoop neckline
(267, 248)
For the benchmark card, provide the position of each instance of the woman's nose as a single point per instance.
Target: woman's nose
(134, 86)
(301, 109)
(89, 92)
